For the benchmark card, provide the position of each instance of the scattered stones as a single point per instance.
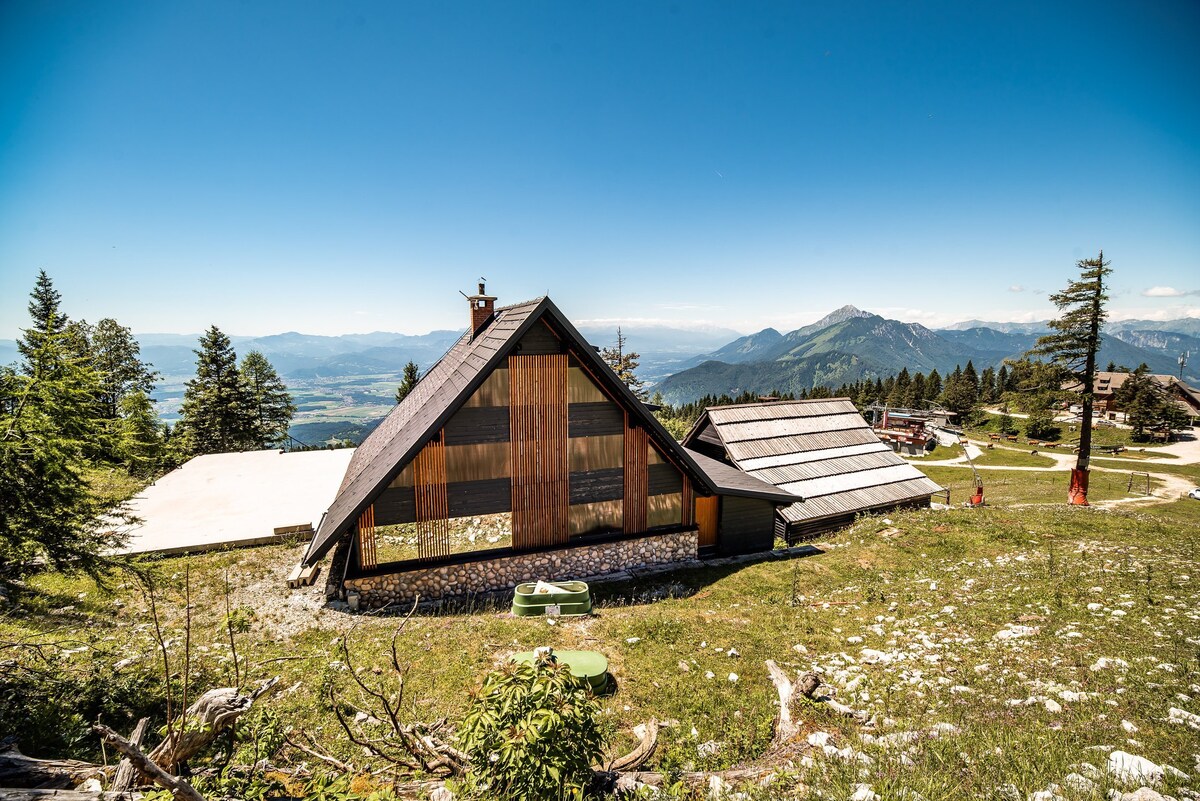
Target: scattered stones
(1129, 768)
(1183, 717)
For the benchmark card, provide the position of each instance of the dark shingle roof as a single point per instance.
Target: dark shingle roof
(448, 385)
(822, 450)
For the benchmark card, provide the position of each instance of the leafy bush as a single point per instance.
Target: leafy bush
(532, 732)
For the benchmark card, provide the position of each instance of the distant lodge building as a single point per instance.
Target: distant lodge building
(1107, 384)
(520, 456)
(821, 450)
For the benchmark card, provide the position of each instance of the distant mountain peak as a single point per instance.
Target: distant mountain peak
(836, 316)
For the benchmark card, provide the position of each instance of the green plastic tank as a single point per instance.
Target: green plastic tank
(534, 598)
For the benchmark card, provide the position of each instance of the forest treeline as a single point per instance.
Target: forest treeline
(79, 432)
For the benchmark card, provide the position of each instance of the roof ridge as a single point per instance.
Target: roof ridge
(775, 403)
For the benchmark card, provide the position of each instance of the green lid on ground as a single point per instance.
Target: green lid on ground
(584, 664)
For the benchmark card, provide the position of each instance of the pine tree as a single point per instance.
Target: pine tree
(409, 381)
(48, 512)
(46, 323)
(933, 385)
(1073, 345)
(624, 364)
(272, 404)
(218, 413)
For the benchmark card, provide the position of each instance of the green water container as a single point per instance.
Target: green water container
(571, 597)
(590, 665)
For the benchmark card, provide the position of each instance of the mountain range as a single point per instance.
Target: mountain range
(850, 344)
(303, 357)
(844, 346)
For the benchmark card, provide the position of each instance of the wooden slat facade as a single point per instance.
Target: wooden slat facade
(540, 452)
(432, 506)
(637, 478)
(366, 538)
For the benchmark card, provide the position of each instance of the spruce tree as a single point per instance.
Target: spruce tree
(273, 407)
(1073, 345)
(48, 511)
(624, 364)
(217, 415)
(409, 381)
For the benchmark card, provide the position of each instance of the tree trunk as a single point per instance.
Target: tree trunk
(211, 714)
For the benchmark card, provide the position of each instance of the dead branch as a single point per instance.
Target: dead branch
(310, 749)
(784, 728)
(126, 774)
(638, 756)
(18, 770)
(811, 682)
(212, 713)
(178, 787)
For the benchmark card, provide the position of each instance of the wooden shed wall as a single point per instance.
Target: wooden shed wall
(747, 525)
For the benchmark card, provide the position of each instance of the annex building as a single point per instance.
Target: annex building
(822, 450)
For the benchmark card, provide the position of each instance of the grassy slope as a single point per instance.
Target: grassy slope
(935, 596)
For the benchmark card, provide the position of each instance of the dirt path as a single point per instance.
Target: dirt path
(1168, 486)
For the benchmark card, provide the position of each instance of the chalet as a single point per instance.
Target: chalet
(821, 450)
(521, 456)
(1108, 383)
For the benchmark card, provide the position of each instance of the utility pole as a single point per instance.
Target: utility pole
(1183, 357)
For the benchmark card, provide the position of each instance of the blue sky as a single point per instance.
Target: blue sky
(347, 167)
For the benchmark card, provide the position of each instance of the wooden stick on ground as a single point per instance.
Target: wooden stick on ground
(178, 787)
(126, 774)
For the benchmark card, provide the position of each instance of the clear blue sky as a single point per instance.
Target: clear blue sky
(344, 167)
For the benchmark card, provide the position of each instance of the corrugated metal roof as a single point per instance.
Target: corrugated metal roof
(822, 450)
(800, 457)
(860, 500)
(788, 426)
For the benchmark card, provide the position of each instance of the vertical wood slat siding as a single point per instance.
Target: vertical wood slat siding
(432, 504)
(540, 449)
(689, 504)
(708, 520)
(366, 538)
(637, 476)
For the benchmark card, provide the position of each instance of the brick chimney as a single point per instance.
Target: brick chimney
(483, 306)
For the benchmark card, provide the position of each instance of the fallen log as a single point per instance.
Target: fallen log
(211, 714)
(180, 788)
(18, 770)
(33, 794)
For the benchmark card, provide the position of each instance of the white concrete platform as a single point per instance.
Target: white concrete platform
(227, 499)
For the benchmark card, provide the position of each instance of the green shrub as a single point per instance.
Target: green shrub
(531, 733)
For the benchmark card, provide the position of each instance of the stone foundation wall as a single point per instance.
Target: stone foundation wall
(508, 571)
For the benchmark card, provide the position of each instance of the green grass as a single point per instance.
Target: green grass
(1007, 487)
(934, 596)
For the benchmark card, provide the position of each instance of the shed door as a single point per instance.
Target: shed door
(708, 516)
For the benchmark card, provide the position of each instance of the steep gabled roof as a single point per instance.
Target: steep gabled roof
(822, 450)
(448, 385)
